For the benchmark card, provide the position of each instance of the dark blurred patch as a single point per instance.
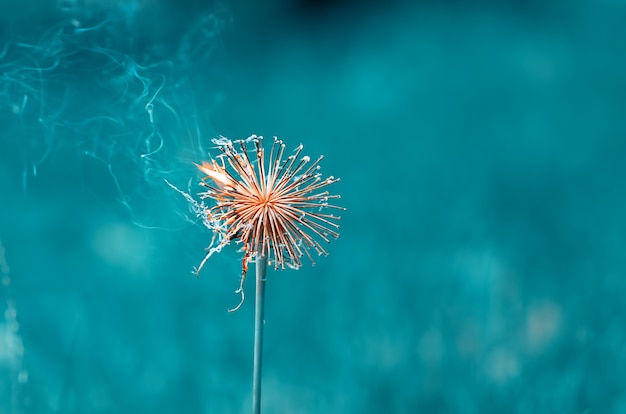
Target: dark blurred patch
(316, 9)
(312, 11)
(320, 11)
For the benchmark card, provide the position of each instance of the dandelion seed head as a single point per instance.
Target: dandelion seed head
(268, 201)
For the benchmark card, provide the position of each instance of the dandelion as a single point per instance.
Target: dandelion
(275, 207)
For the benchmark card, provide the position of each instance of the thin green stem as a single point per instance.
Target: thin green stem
(261, 269)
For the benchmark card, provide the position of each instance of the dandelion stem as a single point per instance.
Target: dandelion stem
(261, 268)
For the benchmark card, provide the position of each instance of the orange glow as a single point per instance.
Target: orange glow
(215, 172)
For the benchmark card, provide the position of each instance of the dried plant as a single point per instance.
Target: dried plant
(274, 206)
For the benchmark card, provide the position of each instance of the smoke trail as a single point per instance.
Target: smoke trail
(100, 91)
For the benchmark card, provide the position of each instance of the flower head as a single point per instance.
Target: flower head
(274, 204)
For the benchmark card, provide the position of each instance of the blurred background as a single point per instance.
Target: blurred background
(481, 266)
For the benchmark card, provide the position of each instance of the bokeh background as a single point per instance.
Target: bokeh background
(481, 147)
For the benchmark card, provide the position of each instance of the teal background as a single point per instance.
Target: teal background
(481, 263)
